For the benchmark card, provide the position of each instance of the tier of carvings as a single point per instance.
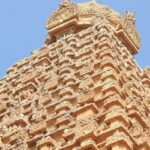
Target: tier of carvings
(82, 92)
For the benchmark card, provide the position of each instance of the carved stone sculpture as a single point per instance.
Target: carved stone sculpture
(82, 90)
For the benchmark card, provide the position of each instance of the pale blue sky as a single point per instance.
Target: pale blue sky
(22, 27)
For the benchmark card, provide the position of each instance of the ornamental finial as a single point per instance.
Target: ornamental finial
(65, 1)
(93, 1)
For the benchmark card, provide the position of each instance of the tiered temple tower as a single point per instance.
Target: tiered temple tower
(82, 90)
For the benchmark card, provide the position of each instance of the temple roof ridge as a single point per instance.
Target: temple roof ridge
(73, 17)
(73, 8)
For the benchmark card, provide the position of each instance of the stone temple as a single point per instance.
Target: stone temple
(82, 90)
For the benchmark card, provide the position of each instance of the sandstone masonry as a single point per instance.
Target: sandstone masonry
(82, 90)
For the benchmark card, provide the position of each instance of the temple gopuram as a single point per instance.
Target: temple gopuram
(82, 90)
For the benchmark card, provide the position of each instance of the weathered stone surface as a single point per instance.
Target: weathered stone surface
(82, 90)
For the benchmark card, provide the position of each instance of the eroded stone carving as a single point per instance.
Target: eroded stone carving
(81, 89)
